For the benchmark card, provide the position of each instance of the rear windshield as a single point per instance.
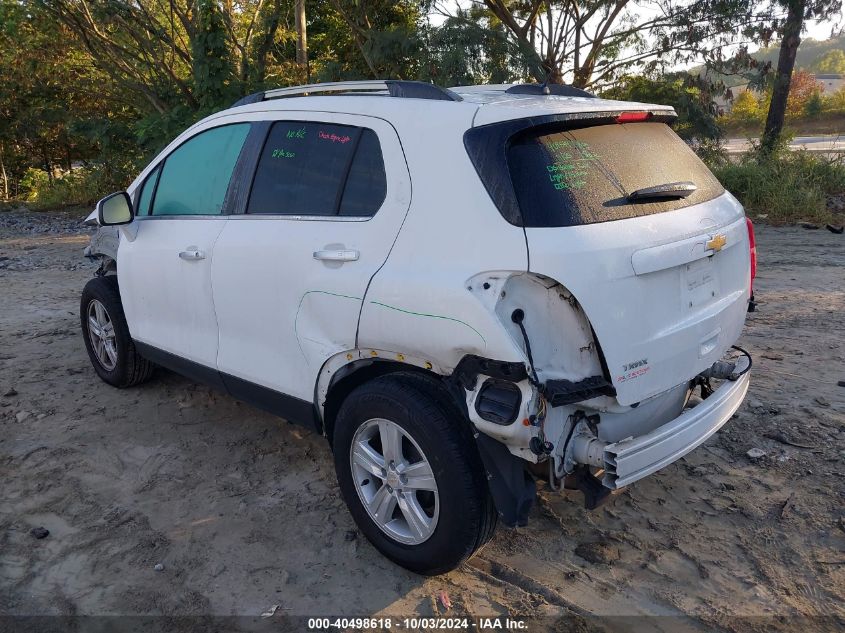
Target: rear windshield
(585, 175)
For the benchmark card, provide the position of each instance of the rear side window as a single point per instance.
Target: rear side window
(366, 185)
(196, 175)
(583, 176)
(319, 169)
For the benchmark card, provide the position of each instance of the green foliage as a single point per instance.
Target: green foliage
(814, 105)
(111, 83)
(833, 61)
(212, 61)
(783, 185)
(48, 90)
(364, 39)
(834, 102)
(114, 82)
(81, 186)
(33, 181)
(748, 110)
(712, 151)
(472, 48)
(692, 102)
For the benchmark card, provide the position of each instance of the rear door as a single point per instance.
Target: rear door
(665, 280)
(165, 271)
(328, 197)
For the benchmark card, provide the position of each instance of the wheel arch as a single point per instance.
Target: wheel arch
(512, 489)
(336, 382)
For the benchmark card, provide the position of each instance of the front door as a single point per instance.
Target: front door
(165, 271)
(329, 196)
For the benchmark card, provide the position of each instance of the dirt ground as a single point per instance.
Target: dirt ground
(243, 512)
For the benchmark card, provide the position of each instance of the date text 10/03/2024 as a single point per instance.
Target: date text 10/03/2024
(419, 624)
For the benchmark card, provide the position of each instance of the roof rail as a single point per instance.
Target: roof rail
(559, 90)
(393, 87)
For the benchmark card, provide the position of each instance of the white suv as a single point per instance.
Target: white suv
(464, 290)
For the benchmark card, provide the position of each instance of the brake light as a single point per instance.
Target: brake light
(752, 244)
(631, 117)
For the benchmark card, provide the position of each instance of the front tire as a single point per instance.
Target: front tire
(411, 475)
(106, 335)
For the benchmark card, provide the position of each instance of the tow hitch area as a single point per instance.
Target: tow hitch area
(582, 460)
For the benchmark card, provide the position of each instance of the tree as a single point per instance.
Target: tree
(814, 106)
(803, 87)
(471, 47)
(835, 102)
(366, 39)
(746, 110)
(831, 62)
(797, 11)
(48, 95)
(115, 80)
(211, 62)
(591, 42)
(690, 97)
(302, 38)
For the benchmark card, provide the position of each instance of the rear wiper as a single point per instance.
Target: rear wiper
(668, 190)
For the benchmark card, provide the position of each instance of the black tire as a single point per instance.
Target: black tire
(130, 368)
(467, 516)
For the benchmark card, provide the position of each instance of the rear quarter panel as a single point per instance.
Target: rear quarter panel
(421, 301)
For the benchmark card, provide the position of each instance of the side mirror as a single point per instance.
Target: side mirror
(115, 209)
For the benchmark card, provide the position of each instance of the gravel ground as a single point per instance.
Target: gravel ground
(242, 512)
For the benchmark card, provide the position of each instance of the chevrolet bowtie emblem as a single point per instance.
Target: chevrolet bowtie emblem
(716, 243)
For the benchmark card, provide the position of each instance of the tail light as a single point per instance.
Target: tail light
(752, 244)
(633, 117)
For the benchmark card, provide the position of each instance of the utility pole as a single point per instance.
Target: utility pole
(302, 39)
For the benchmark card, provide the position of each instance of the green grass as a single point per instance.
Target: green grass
(786, 187)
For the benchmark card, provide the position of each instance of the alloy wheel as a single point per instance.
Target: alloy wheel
(394, 481)
(101, 335)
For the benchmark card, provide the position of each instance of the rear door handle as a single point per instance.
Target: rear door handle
(192, 254)
(337, 256)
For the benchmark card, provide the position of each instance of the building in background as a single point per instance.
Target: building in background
(828, 83)
(831, 82)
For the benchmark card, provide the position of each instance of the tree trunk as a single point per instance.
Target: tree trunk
(302, 39)
(5, 177)
(47, 166)
(783, 77)
(553, 74)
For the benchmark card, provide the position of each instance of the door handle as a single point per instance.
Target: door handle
(337, 256)
(192, 254)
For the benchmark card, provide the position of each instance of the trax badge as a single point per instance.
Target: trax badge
(717, 242)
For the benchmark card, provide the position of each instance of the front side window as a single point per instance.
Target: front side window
(147, 189)
(309, 168)
(195, 177)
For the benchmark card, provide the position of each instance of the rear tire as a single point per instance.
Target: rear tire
(106, 335)
(458, 516)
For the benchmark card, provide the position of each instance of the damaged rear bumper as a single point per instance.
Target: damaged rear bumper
(631, 459)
